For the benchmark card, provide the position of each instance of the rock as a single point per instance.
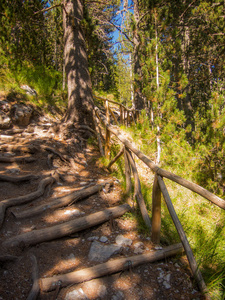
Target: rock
(5, 121)
(13, 171)
(103, 239)
(22, 114)
(121, 240)
(92, 238)
(76, 294)
(101, 253)
(95, 289)
(167, 277)
(28, 90)
(139, 245)
(166, 285)
(138, 251)
(118, 296)
(72, 256)
(138, 248)
(158, 248)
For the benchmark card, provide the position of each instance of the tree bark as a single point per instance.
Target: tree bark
(57, 231)
(110, 267)
(138, 97)
(80, 98)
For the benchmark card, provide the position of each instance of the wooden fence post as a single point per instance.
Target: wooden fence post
(98, 132)
(127, 173)
(137, 191)
(107, 136)
(193, 264)
(121, 114)
(124, 116)
(156, 211)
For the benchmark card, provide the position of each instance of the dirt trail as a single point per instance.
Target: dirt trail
(74, 166)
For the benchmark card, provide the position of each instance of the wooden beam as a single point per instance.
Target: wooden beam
(110, 267)
(65, 229)
(137, 192)
(193, 264)
(107, 136)
(189, 185)
(127, 173)
(156, 211)
(98, 133)
(115, 158)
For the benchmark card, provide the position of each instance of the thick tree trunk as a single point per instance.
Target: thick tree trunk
(80, 99)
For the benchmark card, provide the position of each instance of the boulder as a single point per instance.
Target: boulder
(22, 114)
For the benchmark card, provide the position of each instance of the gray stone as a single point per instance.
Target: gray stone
(5, 121)
(76, 294)
(139, 245)
(167, 277)
(71, 256)
(29, 90)
(103, 239)
(94, 289)
(13, 171)
(22, 114)
(102, 291)
(118, 296)
(166, 285)
(121, 240)
(138, 251)
(92, 238)
(101, 253)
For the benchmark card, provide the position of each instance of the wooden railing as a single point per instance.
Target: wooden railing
(159, 187)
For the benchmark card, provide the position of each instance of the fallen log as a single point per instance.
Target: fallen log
(59, 202)
(35, 278)
(24, 199)
(18, 178)
(110, 267)
(27, 159)
(137, 192)
(67, 228)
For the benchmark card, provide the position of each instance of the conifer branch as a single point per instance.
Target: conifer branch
(49, 8)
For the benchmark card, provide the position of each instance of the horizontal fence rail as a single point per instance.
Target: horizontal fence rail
(159, 186)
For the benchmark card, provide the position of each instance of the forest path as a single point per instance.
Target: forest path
(56, 166)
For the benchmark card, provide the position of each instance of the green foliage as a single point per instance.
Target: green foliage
(46, 82)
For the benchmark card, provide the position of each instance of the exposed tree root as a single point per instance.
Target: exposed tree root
(18, 178)
(35, 278)
(60, 202)
(24, 199)
(26, 159)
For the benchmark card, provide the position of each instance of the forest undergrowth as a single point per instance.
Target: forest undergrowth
(202, 221)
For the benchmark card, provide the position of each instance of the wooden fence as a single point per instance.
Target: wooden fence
(159, 187)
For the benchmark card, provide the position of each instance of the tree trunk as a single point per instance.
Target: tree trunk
(138, 97)
(80, 98)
